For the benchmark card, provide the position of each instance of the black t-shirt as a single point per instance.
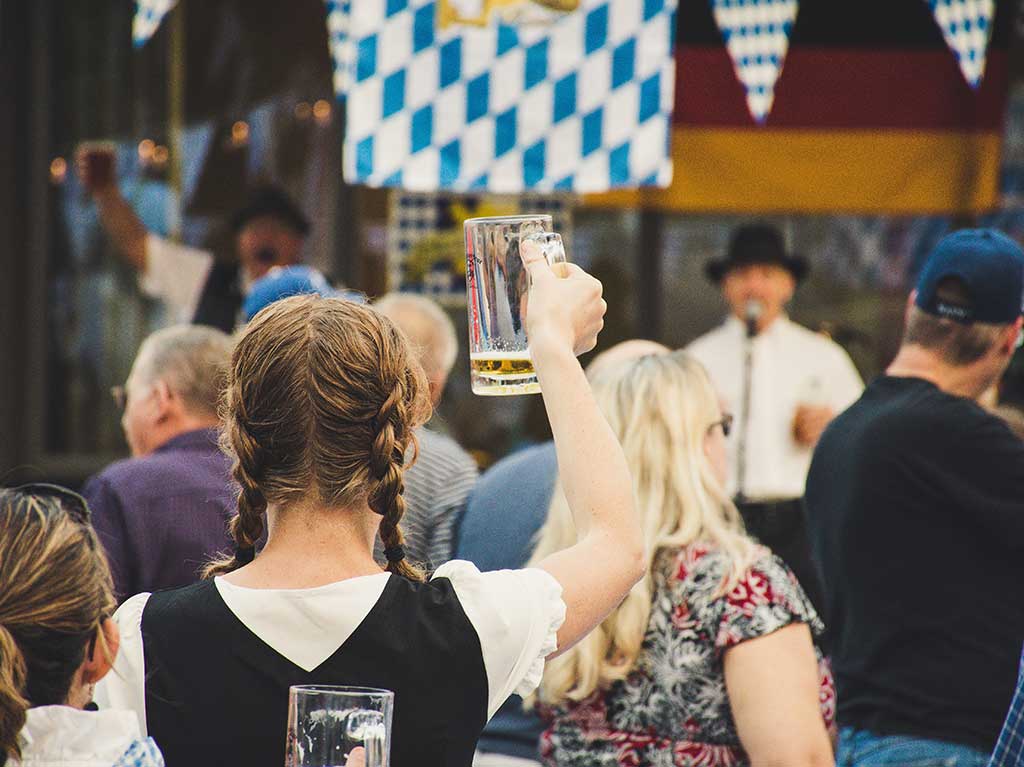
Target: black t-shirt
(915, 502)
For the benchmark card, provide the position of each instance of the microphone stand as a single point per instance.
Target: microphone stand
(741, 447)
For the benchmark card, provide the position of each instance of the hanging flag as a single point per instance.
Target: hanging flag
(579, 102)
(967, 27)
(869, 118)
(756, 35)
(148, 15)
(340, 43)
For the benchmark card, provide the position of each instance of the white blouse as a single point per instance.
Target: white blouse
(516, 614)
(62, 736)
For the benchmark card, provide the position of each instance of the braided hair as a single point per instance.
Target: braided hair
(322, 399)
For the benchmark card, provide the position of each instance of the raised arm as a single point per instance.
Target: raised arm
(564, 318)
(119, 221)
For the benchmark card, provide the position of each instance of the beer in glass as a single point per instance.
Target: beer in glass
(497, 283)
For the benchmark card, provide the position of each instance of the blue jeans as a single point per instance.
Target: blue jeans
(860, 748)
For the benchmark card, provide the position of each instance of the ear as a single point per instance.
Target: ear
(911, 300)
(164, 400)
(98, 664)
(1011, 339)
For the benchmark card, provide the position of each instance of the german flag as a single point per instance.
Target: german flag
(871, 115)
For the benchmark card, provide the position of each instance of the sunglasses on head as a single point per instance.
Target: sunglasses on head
(69, 500)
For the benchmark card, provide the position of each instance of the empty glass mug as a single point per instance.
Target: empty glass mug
(331, 726)
(497, 284)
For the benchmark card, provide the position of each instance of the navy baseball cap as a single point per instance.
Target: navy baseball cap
(990, 267)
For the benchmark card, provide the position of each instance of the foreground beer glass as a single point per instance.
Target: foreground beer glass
(497, 284)
(332, 726)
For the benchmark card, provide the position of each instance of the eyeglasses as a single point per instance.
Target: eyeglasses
(725, 422)
(69, 500)
(120, 396)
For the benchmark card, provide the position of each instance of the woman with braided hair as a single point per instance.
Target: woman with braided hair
(321, 403)
(57, 639)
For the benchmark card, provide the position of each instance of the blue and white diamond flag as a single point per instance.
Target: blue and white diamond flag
(580, 102)
(148, 15)
(967, 27)
(756, 35)
(340, 42)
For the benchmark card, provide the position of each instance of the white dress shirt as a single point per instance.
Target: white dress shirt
(791, 365)
(175, 274)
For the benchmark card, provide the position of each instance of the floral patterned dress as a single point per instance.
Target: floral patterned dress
(673, 710)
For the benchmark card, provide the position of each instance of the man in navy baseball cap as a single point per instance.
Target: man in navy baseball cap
(915, 504)
(983, 266)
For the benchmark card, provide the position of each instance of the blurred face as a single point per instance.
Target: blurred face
(264, 243)
(770, 284)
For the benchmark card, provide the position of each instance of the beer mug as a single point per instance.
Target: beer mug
(334, 726)
(497, 283)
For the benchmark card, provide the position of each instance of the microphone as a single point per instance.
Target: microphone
(751, 314)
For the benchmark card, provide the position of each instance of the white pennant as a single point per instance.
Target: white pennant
(967, 27)
(756, 35)
(148, 15)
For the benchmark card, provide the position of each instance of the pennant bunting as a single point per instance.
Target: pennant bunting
(967, 27)
(340, 43)
(148, 15)
(579, 103)
(756, 35)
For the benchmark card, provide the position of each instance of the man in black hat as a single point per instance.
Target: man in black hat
(269, 231)
(782, 382)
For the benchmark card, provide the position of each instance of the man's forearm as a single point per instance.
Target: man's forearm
(123, 227)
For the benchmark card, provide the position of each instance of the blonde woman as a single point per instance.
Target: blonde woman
(710, 660)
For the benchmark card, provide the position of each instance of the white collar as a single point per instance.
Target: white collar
(63, 732)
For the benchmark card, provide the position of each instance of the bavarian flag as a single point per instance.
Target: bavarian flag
(871, 115)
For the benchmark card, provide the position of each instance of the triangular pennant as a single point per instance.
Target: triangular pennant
(756, 35)
(967, 27)
(148, 15)
(339, 42)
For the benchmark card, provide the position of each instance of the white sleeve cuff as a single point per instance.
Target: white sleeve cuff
(516, 614)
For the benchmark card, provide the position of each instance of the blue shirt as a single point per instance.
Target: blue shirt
(1010, 746)
(505, 510)
(162, 516)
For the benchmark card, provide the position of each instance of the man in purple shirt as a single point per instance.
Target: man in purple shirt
(162, 513)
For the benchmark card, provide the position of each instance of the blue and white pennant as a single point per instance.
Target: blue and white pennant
(967, 28)
(148, 15)
(340, 42)
(582, 105)
(756, 35)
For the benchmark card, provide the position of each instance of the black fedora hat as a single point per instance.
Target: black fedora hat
(756, 244)
(270, 202)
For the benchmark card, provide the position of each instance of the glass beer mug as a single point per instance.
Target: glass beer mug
(497, 284)
(334, 726)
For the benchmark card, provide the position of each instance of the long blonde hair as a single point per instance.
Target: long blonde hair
(661, 408)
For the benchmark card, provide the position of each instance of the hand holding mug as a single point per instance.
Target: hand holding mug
(565, 304)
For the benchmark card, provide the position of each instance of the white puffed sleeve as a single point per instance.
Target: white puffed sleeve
(516, 614)
(125, 686)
